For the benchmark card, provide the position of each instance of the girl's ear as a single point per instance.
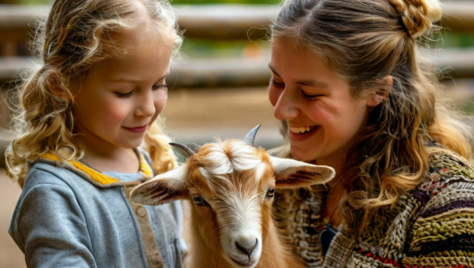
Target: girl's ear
(380, 92)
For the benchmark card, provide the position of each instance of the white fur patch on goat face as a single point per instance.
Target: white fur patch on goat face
(239, 219)
(223, 159)
(234, 171)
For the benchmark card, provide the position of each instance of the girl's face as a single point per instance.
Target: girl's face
(122, 96)
(322, 116)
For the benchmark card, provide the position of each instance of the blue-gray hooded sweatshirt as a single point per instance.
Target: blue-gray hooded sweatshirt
(70, 215)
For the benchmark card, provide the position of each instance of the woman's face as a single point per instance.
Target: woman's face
(322, 116)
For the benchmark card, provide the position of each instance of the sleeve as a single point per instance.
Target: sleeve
(443, 233)
(50, 228)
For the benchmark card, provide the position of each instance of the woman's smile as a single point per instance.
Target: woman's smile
(302, 133)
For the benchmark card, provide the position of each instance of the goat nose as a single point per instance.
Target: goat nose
(247, 246)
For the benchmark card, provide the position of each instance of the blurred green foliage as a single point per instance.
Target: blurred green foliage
(450, 39)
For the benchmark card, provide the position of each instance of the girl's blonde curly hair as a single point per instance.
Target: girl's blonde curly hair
(75, 36)
(365, 41)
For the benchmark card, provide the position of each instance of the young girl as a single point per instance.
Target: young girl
(84, 114)
(349, 83)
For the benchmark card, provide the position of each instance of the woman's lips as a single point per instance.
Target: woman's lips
(137, 129)
(302, 136)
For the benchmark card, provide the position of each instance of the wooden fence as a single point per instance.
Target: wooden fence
(220, 22)
(215, 22)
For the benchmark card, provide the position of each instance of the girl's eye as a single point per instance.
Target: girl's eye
(270, 192)
(122, 95)
(310, 97)
(199, 201)
(277, 84)
(164, 86)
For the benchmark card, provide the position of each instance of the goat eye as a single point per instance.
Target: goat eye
(270, 192)
(199, 201)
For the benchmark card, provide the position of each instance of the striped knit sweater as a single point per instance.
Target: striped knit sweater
(431, 226)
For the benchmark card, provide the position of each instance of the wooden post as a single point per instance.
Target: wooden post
(10, 49)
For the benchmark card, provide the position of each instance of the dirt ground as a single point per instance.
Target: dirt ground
(10, 254)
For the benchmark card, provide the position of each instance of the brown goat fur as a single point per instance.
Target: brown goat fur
(230, 186)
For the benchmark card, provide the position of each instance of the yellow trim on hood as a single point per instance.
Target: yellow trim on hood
(144, 166)
(95, 175)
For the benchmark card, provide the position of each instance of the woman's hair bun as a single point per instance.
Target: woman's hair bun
(418, 15)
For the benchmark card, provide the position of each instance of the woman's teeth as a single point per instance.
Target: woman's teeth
(302, 130)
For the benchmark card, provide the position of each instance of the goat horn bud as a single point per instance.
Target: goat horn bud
(250, 138)
(183, 147)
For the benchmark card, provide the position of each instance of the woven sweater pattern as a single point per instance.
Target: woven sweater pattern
(430, 226)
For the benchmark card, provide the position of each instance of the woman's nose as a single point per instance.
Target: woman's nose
(286, 106)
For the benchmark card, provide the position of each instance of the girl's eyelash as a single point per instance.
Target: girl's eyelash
(164, 86)
(122, 95)
(156, 87)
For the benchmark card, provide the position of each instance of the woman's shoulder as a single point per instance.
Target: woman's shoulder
(449, 181)
(446, 217)
(446, 168)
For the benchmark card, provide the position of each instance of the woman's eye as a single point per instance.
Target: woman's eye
(277, 84)
(310, 96)
(199, 201)
(122, 95)
(270, 192)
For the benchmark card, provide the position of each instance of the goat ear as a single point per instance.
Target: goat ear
(290, 173)
(162, 189)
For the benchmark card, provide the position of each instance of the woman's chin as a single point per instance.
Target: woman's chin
(302, 154)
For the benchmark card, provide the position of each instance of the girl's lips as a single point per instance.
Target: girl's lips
(302, 137)
(137, 129)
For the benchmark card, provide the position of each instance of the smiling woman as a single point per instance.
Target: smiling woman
(316, 103)
(353, 93)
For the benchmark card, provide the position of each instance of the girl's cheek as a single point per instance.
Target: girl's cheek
(115, 109)
(273, 95)
(160, 102)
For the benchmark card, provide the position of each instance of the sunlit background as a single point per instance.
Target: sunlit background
(219, 84)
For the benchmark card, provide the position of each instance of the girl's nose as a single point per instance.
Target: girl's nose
(286, 106)
(146, 106)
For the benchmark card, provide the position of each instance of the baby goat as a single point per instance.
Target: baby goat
(231, 185)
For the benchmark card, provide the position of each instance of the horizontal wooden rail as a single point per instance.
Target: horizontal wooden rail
(206, 22)
(228, 72)
(218, 21)
(234, 72)
(458, 16)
